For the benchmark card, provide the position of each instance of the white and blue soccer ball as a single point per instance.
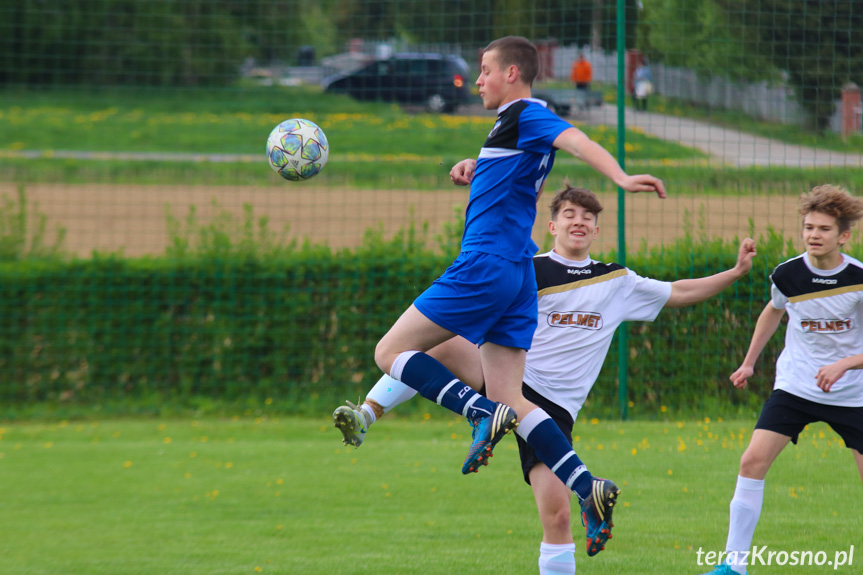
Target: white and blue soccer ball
(297, 149)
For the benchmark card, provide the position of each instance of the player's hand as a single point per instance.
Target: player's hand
(643, 183)
(462, 173)
(741, 377)
(829, 374)
(744, 256)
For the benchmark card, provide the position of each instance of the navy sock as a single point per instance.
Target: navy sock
(435, 382)
(552, 447)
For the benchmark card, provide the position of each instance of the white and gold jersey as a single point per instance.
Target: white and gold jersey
(580, 306)
(825, 310)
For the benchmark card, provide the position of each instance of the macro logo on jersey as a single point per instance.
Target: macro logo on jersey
(578, 319)
(826, 325)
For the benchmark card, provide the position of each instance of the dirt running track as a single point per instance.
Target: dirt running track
(133, 218)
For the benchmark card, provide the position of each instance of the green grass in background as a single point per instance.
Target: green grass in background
(261, 495)
(217, 127)
(131, 123)
(426, 173)
(417, 150)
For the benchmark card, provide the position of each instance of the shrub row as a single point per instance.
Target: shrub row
(300, 329)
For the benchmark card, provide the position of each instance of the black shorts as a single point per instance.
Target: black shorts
(558, 414)
(787, 414)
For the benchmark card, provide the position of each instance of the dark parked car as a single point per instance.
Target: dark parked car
(438, 82)
(556, 104)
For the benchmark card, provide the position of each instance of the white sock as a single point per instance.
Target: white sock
(369, 414)
(556, 559)
(745, 512)
(388, 393)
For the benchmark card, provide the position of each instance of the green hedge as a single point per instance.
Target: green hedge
(94, 330)
(299, 329)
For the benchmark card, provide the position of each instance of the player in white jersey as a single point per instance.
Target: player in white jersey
(819, 374)
(581, 303)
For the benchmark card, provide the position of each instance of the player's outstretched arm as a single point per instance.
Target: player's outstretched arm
(765, 327)
(577, 143)
(462, 173)
(691, 291)
(830, 374)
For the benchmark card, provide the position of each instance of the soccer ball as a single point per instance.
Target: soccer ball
(297, 149)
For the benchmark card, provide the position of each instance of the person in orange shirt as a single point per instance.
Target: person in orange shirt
(581, 75)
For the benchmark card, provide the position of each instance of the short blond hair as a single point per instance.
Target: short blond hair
(833, 201)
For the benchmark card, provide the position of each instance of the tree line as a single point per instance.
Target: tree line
(816, 46)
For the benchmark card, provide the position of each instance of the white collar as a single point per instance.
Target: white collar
(570, 263)
(542, 103)
(825, 273)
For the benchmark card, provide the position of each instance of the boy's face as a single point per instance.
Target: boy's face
(821, 236)
(492, 81)
(574, 230)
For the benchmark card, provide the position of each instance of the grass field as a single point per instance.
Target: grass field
(260, 495)
(377, 132)
(267, 495)
(72, 137)
(109, 129)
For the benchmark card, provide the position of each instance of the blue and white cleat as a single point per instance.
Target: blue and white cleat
(487, 431)
(596, 514)
(349, 419)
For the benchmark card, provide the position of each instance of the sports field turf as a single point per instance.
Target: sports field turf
(265, 495)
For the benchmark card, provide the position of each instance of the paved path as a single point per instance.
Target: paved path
(726, 146)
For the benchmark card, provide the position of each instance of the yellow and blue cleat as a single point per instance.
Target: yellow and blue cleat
(487, 431)
(596, 514)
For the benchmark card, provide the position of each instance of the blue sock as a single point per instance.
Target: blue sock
(436, 383)
(551, 446)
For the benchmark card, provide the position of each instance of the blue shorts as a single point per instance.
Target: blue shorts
(484, 298)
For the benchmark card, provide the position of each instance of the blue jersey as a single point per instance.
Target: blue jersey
(510, 170)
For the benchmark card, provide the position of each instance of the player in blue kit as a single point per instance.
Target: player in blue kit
(819, 374)
(566, 354)
(488, 294)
